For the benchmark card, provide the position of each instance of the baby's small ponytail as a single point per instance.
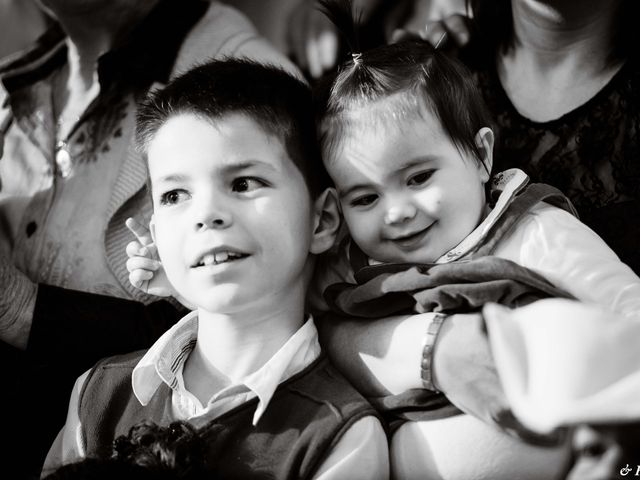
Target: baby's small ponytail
(348, 23)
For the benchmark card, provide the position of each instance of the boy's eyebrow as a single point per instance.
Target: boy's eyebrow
(233, 167)
(230, 168)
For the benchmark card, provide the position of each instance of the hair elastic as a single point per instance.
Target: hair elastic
(357, 58)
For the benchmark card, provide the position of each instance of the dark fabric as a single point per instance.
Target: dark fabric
(306, 417)
(72, 332)
(456, 287)
(81, 328)
(592, 154)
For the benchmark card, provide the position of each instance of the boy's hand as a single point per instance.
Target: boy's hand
(144, 266)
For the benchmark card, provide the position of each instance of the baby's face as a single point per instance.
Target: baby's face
(407, 193)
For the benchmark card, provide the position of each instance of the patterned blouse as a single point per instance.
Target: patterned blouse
(591, 153)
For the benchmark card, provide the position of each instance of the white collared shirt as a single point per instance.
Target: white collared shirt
(361, 453)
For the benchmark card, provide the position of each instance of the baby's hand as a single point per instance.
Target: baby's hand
(144, 266)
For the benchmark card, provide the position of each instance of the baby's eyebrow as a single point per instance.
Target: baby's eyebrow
(417, 162)
(353, 188)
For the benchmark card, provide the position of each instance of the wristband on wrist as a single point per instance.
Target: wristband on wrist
(426, 365)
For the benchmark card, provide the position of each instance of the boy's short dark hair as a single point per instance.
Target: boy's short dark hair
(280, 103)
(421, 75)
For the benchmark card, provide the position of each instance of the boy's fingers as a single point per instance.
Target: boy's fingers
(140, 231)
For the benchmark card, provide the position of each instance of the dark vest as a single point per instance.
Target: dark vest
(305, 419)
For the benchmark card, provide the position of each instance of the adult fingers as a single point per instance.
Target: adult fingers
(457, 27)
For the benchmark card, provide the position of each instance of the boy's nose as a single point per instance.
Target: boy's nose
(399, 213)
(214, 218)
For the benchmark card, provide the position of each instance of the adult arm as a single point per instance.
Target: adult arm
(17, 304)
(383, 356)
(361, 453)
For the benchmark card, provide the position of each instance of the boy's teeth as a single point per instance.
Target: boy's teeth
(216, 258)
(221, 257)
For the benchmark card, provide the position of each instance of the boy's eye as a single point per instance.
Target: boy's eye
(364, 200)
(173, 197)
(420, 178)
(246, 184)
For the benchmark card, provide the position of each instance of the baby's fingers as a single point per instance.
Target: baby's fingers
(141, 232)
(140, 279)
(136, 249)
(143, 263)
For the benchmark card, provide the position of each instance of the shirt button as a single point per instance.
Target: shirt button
(63, 159)
(31, 228)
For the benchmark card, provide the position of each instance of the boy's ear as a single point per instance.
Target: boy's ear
(326, 221)
(484, 141)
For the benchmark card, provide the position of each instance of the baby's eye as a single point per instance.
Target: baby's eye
(364, 200)
(420, 178)
(246, 184)
(172, 197)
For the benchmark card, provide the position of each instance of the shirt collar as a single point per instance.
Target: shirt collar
(145, 56)
(164, 361)
(504, 187)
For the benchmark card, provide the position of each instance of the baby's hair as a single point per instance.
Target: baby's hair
(409, 76)
(147, 452)
(280, 103)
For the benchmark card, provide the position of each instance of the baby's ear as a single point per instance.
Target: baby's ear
(326, 221)
(484, 140)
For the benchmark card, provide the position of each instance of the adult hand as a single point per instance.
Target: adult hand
(451, 32)
(463, 369)
(17, 303)
(604, 451)
(312, 39)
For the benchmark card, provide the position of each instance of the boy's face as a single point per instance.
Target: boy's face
(233, 218)
(407, 193)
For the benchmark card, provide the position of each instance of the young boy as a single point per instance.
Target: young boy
(240, 209)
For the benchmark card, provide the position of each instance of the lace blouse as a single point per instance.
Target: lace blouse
(592, 153)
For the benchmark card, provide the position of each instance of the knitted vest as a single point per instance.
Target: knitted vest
(306, 417)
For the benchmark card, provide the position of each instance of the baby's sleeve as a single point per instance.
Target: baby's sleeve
(573, 257)
(331, 267)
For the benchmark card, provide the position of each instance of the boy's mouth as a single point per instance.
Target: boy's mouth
(218, 257)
